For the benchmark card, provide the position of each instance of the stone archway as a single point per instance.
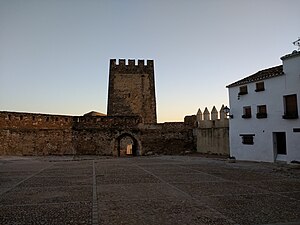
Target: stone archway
(127, 144)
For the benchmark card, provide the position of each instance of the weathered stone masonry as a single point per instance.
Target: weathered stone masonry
(35, 134)
(131, 90)
(129, 128)
(40, 134)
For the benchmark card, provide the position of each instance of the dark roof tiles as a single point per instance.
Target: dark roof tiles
(260, 75)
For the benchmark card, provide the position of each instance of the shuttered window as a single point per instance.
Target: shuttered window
(247, 112)
(243, 90)
(290, 107)
(260, 86)
(261, 111)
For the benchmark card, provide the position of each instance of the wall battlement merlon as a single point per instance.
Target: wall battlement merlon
(9, 115)
(213, 115)
(17, 120)
(107, 119)
(131, 63)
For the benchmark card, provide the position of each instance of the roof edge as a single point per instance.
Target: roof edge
(260, 75)
(293, 54)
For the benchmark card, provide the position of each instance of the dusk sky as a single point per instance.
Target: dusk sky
(54, 54)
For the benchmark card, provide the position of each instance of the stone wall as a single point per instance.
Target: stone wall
(41, 134)
(35, 134)
(131, 90)
(168, 138)
(212, 132)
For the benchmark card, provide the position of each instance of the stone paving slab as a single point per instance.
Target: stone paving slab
(123, 179)
(166, 169)
(8, 181)
(115, 192)
(147, 190)
(118, 169)
(156, 211)
(256, 209)
(52, 214)
(292, 195)
(189, 178)
(4, 190)
(276, 185)
(217, 189)
(40, 195)
(63, 172)
(57, 181)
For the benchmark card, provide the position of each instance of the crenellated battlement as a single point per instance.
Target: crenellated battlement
(80, 122)
(29, 121)
(132, 79)
(212, 131)
(131, 63)
(212, 119)
(16, 120)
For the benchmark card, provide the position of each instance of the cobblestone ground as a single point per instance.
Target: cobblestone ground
(147, 190)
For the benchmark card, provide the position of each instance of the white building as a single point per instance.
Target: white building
(265, 123)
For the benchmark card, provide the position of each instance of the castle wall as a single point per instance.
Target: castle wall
(97, 135)
(213, 140)
(35, 134)
(131, 90)
(40, 134)
(168, 138)
(212, 132)
(93, 142)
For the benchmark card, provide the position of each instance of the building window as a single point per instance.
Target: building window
(261, 111)
(247, 112)
(290, 107)
(260, 86)
(247, 139)
(296, 129)
(243, 90)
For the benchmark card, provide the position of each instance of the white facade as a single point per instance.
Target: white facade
(274, 138)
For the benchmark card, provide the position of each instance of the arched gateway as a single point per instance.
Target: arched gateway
(127, 144)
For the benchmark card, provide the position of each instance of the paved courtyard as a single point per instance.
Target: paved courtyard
(147, 190)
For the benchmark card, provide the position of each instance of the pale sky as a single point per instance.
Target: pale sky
(54, 54)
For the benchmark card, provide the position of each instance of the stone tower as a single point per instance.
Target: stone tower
(131, 90)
